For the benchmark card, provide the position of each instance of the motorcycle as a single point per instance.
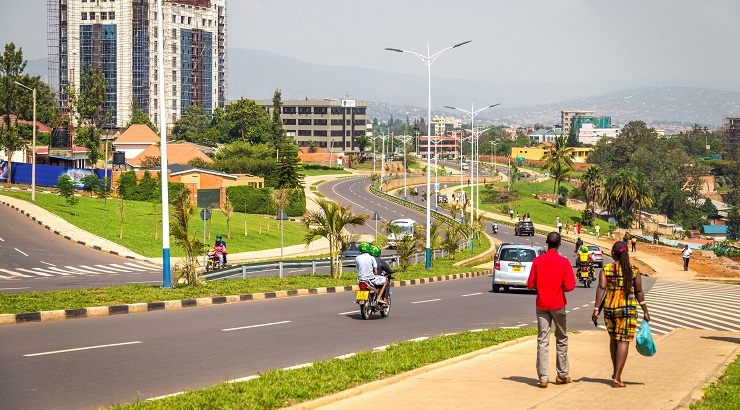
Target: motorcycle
(212, 263)
(494, 228)
(585, 273)
(367, 298)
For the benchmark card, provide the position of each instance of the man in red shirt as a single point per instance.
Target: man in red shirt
(552, 276)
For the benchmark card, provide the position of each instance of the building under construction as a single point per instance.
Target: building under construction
(119, 37)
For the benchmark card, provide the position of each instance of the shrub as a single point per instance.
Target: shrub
(253, 200)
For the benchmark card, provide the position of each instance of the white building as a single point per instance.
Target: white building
(589, 134)
(120, 38)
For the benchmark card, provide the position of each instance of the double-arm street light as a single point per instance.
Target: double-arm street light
(428, 60)
(472, 113)
(33, 144)
(382, 158)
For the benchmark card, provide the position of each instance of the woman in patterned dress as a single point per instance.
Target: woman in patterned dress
(620, 287)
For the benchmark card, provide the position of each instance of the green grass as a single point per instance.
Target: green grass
(315, 188)
(142, 221)
(724, 393)
(137, 293)
(314, 172)
(280, 388)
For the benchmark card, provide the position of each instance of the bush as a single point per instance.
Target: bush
(253, 200)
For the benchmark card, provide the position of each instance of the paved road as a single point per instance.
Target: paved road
(33, 258)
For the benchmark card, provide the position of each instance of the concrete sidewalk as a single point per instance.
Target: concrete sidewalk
(505, 378)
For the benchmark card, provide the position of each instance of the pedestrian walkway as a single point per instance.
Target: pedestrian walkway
(505, 378)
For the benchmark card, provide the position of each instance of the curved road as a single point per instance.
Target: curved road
(34, 258)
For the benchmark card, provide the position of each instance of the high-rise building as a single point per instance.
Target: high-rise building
(119, 37)
(567, 116)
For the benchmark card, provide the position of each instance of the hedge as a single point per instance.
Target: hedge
(252, 200)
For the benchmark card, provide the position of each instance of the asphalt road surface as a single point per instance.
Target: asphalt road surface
(33, 258)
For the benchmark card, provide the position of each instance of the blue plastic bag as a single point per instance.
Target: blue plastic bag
(644, 338)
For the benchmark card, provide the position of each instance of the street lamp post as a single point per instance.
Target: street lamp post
(428, 60)
(376, 218)
(33, 144)
(405, 139)
(166, 281)
(436, 171)
(382, 159)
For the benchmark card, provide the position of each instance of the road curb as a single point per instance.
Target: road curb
(54, 315)
(83, 243)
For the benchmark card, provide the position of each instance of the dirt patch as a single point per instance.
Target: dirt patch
(705, 263)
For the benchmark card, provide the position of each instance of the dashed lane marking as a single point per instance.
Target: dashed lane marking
(21, 252)
(81, 348)
(426, 301)
(254, 326)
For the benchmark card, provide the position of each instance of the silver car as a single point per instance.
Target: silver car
(597, 257)
(512, 264)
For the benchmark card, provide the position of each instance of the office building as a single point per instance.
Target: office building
(120, 38)
(331, 124)
(567, 116)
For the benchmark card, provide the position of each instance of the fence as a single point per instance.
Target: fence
(47, 175)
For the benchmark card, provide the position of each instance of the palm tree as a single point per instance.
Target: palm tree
(620, 196)
(592, 184)
(559, 161)
(329, 222)
(182, 211)
(281, 199)
(455, 235)
(644, 193)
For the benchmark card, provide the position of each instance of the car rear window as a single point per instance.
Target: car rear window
(521, 255)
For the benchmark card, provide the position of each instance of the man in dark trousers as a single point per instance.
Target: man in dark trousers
(552, 276)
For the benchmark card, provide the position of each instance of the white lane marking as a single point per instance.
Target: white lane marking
(148, 281)
(117, 267)
(32, 271)
(140, 266)
(426, 301)
(576, 308)
(348, 313)
(15, 273)
(2, 240)
(21, 252)
(98, 270)
(82, 348)
(244, 379)
(345, 356)
(50, 264)
(81, 271)
(54, 270)
(253, 326)
(472, 294)
(586, 305)
(298, 366)
(418, 339)
(14, 288)
(380, 348)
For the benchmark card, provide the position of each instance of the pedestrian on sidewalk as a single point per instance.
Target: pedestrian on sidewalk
(511, 214)
(552, 276)
(686, 255)
(633, 241)
(620, 289)
(559, 224)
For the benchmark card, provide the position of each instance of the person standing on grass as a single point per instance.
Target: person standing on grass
(552, 276)
(686, 253)
(620, 289)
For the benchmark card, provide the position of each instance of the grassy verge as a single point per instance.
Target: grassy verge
(280, 388)
(314, 172)
(142, 225)
(138, 293)
(315, 188)
(724, 393)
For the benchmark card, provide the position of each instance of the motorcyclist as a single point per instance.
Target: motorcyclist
(220, 248)
(579, 243)
(367, 269)
(383, 267)
(584, 259)
(495, 227)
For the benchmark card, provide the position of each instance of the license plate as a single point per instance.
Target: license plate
(516, 268)
(584, 274)
(362, 295)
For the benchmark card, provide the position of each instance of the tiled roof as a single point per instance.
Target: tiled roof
(137, 134)
(180, 153)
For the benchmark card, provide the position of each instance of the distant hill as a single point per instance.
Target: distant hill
(257, 74)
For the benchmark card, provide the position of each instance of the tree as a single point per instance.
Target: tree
(182, 211)
(733, 223)
(455, 235)
(67, 189)
(329, 222)
(87, 105)
(620, 196)
(192, 126)
(140, 117)
(249, 122)
(228, 211)
(709, 209)
(10, 142)
(559, 161)
(277, 133)
(592, 183)
(289, 171)
(362, 141)
(11, 67)
(90, 182)
(405, 248)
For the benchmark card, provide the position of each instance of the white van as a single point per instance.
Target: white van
(407, 229)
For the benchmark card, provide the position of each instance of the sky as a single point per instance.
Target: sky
(594, 46)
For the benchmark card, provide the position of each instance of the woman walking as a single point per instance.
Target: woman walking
(620, 288)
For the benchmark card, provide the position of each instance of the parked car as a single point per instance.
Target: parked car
(524, 228)
(512, 264)
(597, 257)
(442, 198)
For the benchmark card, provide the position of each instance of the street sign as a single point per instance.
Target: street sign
(436, 187)
(520, 159)
(205, 214)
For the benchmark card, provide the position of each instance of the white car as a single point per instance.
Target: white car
(465, 167)
(512, 264)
